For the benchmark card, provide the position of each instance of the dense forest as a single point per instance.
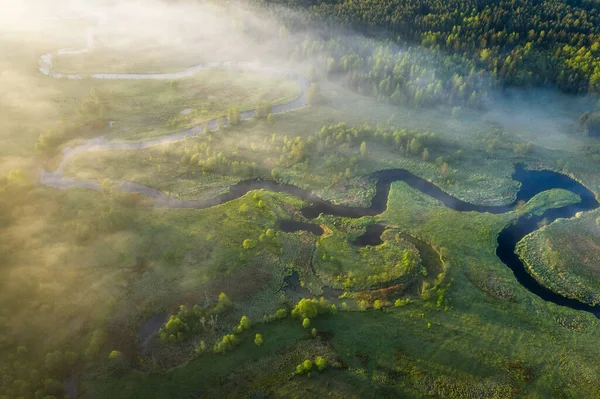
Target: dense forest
(520, 42)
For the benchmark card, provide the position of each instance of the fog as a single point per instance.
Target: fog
(80, 282)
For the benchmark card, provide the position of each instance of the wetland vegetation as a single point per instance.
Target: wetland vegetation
(299, 199)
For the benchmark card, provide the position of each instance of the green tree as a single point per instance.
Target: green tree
(233, 115)
(321, 363)
(306, 322)
(264, 109)
(201, 348)
(245, 323)
(415, 147)
(223, 303)
(271, 119)
(425, 155)
(258, 340)
(363, 149)
(249, 243)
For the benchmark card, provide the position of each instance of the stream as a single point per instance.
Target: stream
(532, 183)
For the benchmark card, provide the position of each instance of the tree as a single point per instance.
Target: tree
(306, 322)
(425, 155)
(271, 119)
(245, 323)
(363, 149)
(444, 168)
(377, 304)
(309, 308)
(227, 343)
(312, 94)
(223, 303)
(258, 340)
(304, 367)
(307, 365)
(415, 147)
(264, 109)
(233, 115)
(201, 348)
(321, 363)
(249, 243)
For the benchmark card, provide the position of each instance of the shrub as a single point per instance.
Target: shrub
(258, 340)
(310, 308)
(227, 343)
(249, 243)
(304, 367)
(245, 324)
(306, 322)
(321, 363)
(201, 348)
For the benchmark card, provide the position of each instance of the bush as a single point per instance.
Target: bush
(321, 363)
(258, 340)
(249, 243)
(245, 324)
(304, 367)
(227, 343)
(310, 308)
(306, 322)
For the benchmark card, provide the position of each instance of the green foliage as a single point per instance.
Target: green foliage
(310, 308)
(538, 43)
(226, 344)
(189, 322)
(233, 115)
(321, 363)
(401, 302)
(249, 243)
(244, 325)
(258, 340)
(306, 322)
(563, 257)
(96, 342)
(223, 303)
(200, 348)
(263, 110)
(304, 367)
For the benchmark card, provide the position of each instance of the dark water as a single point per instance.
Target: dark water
(372, 236)
(291, 226)
(532, 182)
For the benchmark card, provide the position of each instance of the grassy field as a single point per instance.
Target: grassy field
(511, 344)
(563, 256)
(85, 270)
(472, 174)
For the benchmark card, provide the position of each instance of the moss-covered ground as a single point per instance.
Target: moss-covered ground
(564, 256)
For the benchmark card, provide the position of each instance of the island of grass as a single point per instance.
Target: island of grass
(565, 256)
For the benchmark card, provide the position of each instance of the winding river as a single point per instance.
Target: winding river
(532, 183)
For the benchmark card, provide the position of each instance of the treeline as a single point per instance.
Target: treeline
(522, 42)
(409, 76)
